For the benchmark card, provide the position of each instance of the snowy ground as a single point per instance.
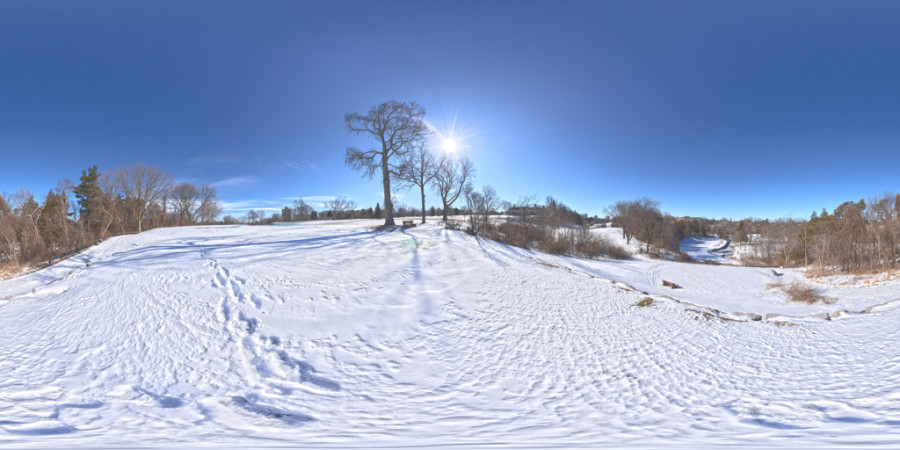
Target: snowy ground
(707, 248)
(330, 333)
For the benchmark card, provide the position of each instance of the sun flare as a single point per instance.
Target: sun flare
(449, 145)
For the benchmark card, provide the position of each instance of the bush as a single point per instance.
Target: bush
(802, 293)
(591, 245)
(555, 245)
(616, 252)
(683, 257)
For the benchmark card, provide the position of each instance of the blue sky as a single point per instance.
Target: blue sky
(714, 108)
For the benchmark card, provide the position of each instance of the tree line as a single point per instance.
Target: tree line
(856, 237)
(129, 199)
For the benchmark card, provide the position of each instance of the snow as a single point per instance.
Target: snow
(707, 248)
(333, 334)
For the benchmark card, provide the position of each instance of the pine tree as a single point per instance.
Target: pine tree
(88, 192)
(377, 210)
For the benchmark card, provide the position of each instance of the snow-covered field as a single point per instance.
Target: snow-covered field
(330, 333)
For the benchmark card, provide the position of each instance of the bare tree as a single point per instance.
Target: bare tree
(481, 205)
(210, 206)
(451, 179)
(301, 210)
(647, 220)
(419, 167)
(339, 206)
(619, 214)
(396, 126)
(184, 198)
(142, 186)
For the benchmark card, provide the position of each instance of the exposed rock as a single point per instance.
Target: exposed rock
(751, 316)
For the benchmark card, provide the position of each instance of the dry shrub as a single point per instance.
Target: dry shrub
(683, 257)
(591, 245)
(647, 301)
(11, 270)
(511, 234)
(579, 242)
(555, 245)
(617, 252)
(802, 293)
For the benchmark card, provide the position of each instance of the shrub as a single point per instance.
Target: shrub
(590, 245)
(802, 293)
(617, 252)
(555, 245)
(683, 257)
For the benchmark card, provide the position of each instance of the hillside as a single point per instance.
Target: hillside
(330, 333)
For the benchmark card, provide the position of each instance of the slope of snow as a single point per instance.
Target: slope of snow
(707, 248)
(331, 333)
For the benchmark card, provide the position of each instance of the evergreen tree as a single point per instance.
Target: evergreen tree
(377, 210)
(49, 229)
(313, 215)
(88, 192)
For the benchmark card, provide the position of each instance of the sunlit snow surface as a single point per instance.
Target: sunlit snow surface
(335, 334)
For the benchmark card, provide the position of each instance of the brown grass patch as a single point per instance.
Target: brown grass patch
(9, 271)
(647, 301)
(801, 293)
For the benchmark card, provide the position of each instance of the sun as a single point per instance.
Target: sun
(449, 145)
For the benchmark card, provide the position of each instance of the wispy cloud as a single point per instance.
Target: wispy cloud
(276, 163)
(236, 183)
(224, 159)
(251, 160)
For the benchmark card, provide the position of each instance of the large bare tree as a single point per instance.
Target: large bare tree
(339, 205)
(452, 179)
(210, 206)
(142, 186)
(419, 167)
(396, 127)
(184, 200)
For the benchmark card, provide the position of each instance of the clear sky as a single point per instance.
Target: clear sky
(714, 108)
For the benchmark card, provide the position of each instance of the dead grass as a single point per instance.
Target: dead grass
(801, 293)
(9, 271)
(647, 301)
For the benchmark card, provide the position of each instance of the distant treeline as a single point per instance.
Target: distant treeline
(129, 199)
(861, 236)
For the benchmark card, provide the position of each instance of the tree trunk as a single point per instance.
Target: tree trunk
(422, 187)
(445, 213)
(388, 204)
